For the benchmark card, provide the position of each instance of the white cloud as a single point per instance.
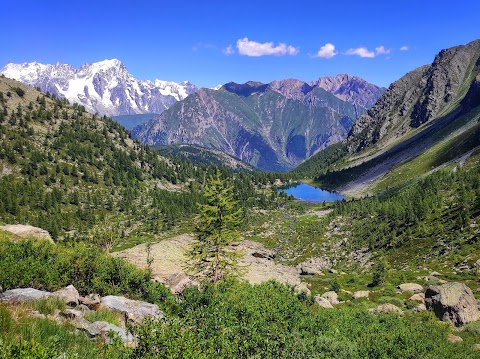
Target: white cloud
(253, 48)
(404, 48)
(360, 51)
(327, 51)
(364, 52)
(228, 50)
(381, 50)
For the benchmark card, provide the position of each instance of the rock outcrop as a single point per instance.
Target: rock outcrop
(27, 231)
(331, 296)
(386, 308)
(314, 266)
(132, 309)
(361, 294)
(69, 294)
(323, 302)
(453, 302)
(411, 287)
(20, 295)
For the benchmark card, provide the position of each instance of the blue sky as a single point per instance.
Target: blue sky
(214, 42)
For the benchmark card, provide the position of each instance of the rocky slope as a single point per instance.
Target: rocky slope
(271, 126)
(353, 89)
(427, 118)
(424, 95)
(105, 87)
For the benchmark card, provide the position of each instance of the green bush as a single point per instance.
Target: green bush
(238, 320)
(43, 265)
(19, 91)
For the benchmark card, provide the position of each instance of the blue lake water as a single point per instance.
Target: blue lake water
(309, 193)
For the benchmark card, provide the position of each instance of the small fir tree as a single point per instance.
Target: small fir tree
(218, 218)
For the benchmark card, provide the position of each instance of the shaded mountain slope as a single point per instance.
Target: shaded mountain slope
(271, 126)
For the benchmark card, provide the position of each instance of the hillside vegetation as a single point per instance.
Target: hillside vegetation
(81, 176)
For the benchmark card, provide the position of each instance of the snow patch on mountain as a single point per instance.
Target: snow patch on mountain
(105, 87)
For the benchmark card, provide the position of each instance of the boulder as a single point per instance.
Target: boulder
(92, 301)
(361, 294)
(419, 308)
(314, 266)
(27, 231)
(102, 329)
(69, 295)
(20, 295)
(411, 287)
(454, 338)
(323, 302)
(331, 296)
(476, 347)
(453, 302)
(418, 297)
(72, 313)
(386, 308)
(177, 282)
(132, 309)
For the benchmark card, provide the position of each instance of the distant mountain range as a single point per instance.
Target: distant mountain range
(105, 87)
(272, 126)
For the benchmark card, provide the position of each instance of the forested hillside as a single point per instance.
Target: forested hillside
(74, 174)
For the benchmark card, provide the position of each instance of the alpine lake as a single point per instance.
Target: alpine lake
(307, 193)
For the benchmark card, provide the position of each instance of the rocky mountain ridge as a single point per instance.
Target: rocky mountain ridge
(427, 93)
(105, 87)
(272, 126)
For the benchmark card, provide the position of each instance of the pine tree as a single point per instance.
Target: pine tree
(217, 220)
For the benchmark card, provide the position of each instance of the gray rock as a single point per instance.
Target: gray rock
(177, 282)
(68, 294)
(91, 300)
(454, 338)
(386, 308)
(323, 302)
(418, 297)
(20, 295)
(314, 266)
(361, 294)
(102, 329)
(331, 296)
(411, 287)
(27, 231)
(72, 313)
(83, 308)
(132, 309)
(453, 302)
(419, 308)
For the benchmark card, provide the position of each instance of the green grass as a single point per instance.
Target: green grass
(104, 315)
(49, 305)
(23, 337)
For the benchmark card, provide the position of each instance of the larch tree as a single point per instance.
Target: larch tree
(219, 216)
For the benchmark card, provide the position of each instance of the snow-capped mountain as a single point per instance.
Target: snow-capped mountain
(105, 87)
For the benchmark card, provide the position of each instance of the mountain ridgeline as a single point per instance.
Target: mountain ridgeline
(271, 126)
(424, 120)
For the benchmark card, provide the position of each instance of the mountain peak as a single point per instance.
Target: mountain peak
(105, 86)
